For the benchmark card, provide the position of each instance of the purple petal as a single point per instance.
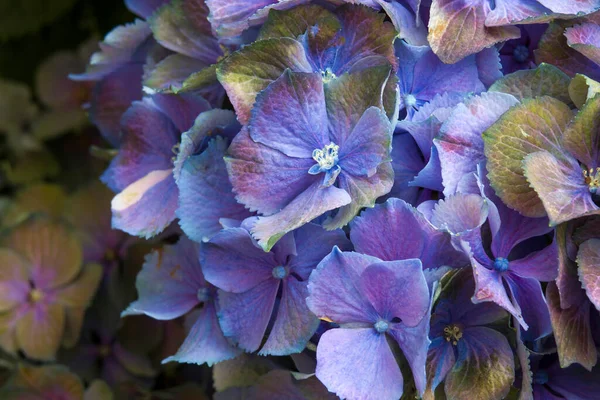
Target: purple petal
(484, 367)
(182, 109)
(397, 289)
(428, 76)
(585, 38)
(144, 8)
(147, 206)
(395, 230)
(490, 287)
(169, 282)
(295, 324)
(363, 193)
(148, 137)
(406, 163)
(508, 12)
(588, 260)
(541, 265)
(459, 144)
(230, 18)
(410, 26)
(572, 329)
(560, 7)
(205, 194)
(265, 179)
(14, 279)
(460, 213)
(574, 382)
(489, 66)
(560, 186)
(205, 342)
(334, 288)
(440, 359)
(244, 316)
(347, 352)
(111, 97)
(289, 115)
(313, 243)
(430, 177)
(308, 205)
(527, 294)
(234, 263)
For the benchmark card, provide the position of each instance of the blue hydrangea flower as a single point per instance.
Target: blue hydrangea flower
(250, 279)
(371, 300)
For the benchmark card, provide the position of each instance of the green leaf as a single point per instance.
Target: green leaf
(545, 80)
(534, 125)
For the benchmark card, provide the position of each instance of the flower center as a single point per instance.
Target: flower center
(592, 179)
(410, 101)
(327, 75)
(36, 295)
(540, 378)
(381, 326)
(203, 294)
(279, 272)
(327, 161)
(521, 53)
(104, 351)
(453, 334)
(501, 264)
(327, 157)
(109, 255)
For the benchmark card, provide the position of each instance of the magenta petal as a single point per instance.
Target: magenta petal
(205, 342)
(295, 324)
(290, 116)
(343, 353)
(334, 288)
(169, 282)
(233, 262)
(244, 316)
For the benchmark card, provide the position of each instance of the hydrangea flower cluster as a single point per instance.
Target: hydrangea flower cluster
(356, 199)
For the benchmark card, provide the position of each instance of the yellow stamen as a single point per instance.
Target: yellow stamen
(453, 334)
(592, 179)
(36, 295)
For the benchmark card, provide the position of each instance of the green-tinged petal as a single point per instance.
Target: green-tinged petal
(73, 322)
(43, 198)
(545, 80)
(582, 136)
(295, 22)
(588, 260)
(31, 167)
(243, 370)
(200, 79)
(80, 292)
(137, 364)
(457, 29)
(46, 382)
(98, 390)
(582, 88)
(572, 330)
(560, 186)
(53, 250)
(350, 95)
(170, 72)
(484, 369)
(534, 125)
(40, 331)
(250, 70)
(53, 124)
